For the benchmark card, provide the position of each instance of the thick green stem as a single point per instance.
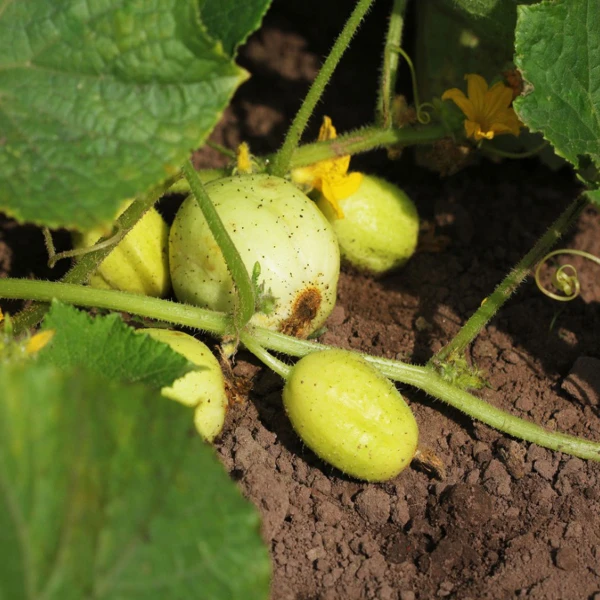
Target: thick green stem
(389, 71)
(282, 160)
(163, 310)
(87, 264)
(502, 293)
(218, 324)
(363, 140)
(235, 264)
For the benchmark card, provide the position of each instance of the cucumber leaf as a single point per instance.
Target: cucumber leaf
(100, 101)
(232, 22)
(558, 52)
(108, 347)
(106, 493)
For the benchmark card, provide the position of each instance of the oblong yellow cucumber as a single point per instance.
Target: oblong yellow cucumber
(203, 389)
(139, 263)
(350, 415)
(380, 226)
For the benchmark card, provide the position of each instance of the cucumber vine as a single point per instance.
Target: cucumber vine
(446, 376)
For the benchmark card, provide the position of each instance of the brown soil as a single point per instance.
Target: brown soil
(510, 519)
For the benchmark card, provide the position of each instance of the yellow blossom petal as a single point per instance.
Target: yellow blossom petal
(476, 90)
(244, 162)
(327, 131)
(498, 98)
(488, 111)
(329, 193)
(329, 176)
(38, 341)
(349, 185)
(459, 98)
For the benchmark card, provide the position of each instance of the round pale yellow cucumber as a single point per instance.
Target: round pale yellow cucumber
(270, 222)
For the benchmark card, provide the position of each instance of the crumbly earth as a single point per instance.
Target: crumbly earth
(510, 519)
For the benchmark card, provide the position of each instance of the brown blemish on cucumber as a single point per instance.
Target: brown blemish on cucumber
(304, 310)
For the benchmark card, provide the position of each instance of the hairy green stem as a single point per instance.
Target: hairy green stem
(265, 357)
(87, 264)
(389, 71)
(502, 293)
(155, 308)
(363, 140)
(281, 162)
(235, 264)
(218, 324)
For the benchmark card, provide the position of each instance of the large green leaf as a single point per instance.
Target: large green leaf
(110, 348)
(105, 493)
(232, 22)
(99, 101)
(558, 51)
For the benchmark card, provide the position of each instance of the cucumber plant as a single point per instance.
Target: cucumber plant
(70, 163)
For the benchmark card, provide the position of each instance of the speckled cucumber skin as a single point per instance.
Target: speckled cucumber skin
(203, 389)
(380, 227)
(269, 221)
(140, 262)
(350, 415)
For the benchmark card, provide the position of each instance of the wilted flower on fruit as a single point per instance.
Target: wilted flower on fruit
(488, 110)
(329, 176)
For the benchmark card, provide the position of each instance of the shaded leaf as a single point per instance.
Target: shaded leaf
(108, 347)
(100, 101)
(232, 22)
(106, 494)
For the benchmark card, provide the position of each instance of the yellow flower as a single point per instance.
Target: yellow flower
(488, 111)
(330, 176)
(244, 161)
(38, 341)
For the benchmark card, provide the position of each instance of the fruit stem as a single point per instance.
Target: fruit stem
(265, 357)
(235, 264)
(282, 160)
(389, 70)
(87, 264)
(217, 324)
(502, 293)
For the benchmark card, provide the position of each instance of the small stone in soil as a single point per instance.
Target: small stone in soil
(373, 505)
(566, 559)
